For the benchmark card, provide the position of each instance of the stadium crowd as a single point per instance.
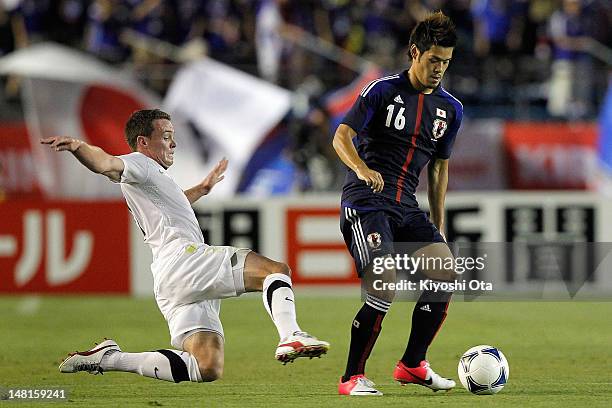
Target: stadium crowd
(516, 59)
(504, 44)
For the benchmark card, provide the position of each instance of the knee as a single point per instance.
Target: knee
(385, 295)
(280, 267)
(210, 373)
(443, 274)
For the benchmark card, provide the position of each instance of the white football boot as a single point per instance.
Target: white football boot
(358, 385)
(89, 360)
(300, 344)
(422, 375)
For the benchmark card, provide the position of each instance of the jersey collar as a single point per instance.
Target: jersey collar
(160, 167)
(411, 88)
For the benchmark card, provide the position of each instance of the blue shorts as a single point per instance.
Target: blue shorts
(371, 230)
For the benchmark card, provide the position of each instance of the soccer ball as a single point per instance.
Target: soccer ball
(483, 370)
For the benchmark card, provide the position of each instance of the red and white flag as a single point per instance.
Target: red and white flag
(67, 92)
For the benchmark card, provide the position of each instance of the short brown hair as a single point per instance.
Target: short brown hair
(140, 123)
(436, 29)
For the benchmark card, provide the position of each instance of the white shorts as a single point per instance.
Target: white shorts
(189, 291)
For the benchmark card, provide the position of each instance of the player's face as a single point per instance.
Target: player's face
(160, 145)
(430, 66)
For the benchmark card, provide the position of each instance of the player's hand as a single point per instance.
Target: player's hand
(371, 177)
(215, 176)
(62, 143)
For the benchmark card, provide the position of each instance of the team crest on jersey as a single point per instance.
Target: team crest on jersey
(439, 127)
(374, 240)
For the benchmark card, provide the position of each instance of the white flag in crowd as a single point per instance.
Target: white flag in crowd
(232, 110)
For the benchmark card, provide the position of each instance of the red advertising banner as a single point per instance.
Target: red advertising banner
(64, 247)
(552, 156)
(17, 170)
(316, 252)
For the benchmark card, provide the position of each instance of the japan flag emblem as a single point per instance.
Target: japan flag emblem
(439, 127)
(374, 240)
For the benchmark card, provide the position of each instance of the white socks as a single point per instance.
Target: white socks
(177, 366)
(278, 300)
(167, 365)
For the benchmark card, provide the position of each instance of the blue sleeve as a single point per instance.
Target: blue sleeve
(365, 107)
(445, 144)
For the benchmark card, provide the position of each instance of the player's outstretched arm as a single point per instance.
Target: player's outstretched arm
(343, 144)
(203, 188)
(437, 172)
(92, 157)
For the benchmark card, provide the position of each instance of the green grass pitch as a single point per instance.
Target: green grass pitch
(560, 354)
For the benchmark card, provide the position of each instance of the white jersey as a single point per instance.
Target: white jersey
(160, 208)
(189, 277)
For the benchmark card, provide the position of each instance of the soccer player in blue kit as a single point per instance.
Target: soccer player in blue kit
(399, 124)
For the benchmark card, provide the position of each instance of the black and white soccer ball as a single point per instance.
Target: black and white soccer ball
(483, 370)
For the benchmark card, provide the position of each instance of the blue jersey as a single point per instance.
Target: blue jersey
(398, 131)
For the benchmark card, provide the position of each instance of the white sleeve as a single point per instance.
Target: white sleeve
(136, 168)
(557, 26)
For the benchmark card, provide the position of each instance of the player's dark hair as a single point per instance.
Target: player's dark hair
(140, 123)
(436, 29)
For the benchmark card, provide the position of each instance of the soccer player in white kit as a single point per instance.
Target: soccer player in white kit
(190, 277)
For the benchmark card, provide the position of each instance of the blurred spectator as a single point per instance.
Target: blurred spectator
(605, 132)
(35, 16)
(498, 27)
(229, 31)
(106, 19)
(570, 83)
(191, 22)
(313, 153)
(13, 35)
(67, 20)
(146, 17)
(154, 19)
